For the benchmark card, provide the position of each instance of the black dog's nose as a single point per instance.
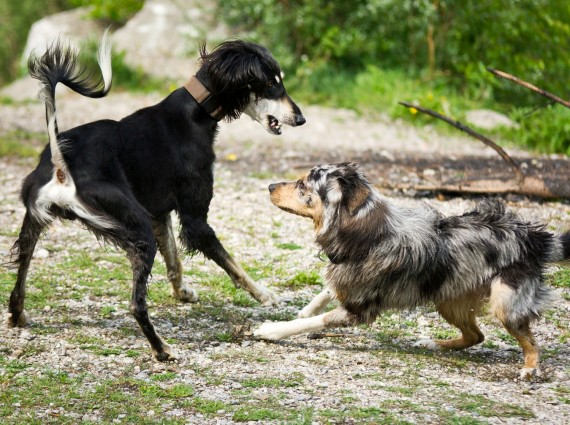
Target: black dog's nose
(272, 187)
(300, 120)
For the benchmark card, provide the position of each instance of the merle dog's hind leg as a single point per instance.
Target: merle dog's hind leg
(461, 313)
(507, 305)
(164, 234)
(23, 250)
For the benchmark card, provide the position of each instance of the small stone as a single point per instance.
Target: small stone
(41, 253)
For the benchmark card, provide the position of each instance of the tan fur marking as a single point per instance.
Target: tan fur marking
(287, 197)
(60, 174)
(499, 300)
(358, 197)
(462, 313)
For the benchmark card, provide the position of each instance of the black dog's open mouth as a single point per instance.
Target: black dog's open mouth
(274, 125)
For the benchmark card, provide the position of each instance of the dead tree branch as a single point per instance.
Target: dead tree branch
(518, 173)
(529, 86)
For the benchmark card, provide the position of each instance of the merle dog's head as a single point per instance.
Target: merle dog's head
(331, 192)
(244, 77)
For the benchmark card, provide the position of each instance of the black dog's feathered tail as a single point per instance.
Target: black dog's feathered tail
(60, 64)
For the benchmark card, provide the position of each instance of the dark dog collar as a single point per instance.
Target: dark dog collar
(204, 98)
(337, 258)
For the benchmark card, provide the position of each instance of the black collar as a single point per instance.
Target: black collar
(336, 258)
(204, 98)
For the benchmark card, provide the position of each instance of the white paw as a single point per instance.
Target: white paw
(267, 297)
(306, 312)
(529, 373)
(270, 331)
(430, 344)
(185, 294)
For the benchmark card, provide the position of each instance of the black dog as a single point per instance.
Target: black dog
(122, 179)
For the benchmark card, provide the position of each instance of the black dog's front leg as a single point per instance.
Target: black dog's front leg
(199, 236)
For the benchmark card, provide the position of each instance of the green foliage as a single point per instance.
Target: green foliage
(124, 76)
(546, 129)
(16, 17)
(115, 11)
(433, 37)
(368, 54)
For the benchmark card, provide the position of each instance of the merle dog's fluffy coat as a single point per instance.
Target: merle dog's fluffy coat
(386, 257)
(122, 179)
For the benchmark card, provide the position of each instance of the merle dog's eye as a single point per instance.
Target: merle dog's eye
(300, 185)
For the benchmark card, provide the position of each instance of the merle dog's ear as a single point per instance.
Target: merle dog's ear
(355, 189)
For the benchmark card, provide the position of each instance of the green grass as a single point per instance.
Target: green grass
(21, 144)
(272, 382)
(305, 278)
(374, 90)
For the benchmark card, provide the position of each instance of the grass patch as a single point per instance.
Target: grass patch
(289, 246)
(21, 144)
(304, 278)
(296, 379)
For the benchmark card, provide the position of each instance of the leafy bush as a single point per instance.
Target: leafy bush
(368, 54)
(429, 38)
(16, 17)
(114, 11)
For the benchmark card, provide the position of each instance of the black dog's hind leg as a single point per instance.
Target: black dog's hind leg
(23, 250)
(133, 232)
(198, 235)
(164, 234)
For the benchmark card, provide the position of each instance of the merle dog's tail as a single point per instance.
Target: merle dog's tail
(60, 64)
(560, 252)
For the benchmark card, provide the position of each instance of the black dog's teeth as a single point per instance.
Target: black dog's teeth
(274, 123)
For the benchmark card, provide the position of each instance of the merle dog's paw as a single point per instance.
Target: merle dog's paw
(269, 331)
(529, 374)
(430, 344)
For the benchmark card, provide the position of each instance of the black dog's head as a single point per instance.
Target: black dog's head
(244, 77)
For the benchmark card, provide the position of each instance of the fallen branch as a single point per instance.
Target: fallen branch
(321, 335)
(532, 186)
(518, 173)
(529, 86)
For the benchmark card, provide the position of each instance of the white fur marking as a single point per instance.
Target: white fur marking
(273, 331)
(430, 344)
(64, 195)
(104, 59)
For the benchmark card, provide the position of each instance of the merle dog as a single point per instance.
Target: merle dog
(386, 257)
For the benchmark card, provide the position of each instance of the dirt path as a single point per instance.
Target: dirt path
(83, 331)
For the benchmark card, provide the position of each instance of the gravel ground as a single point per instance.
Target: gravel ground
(338, 379)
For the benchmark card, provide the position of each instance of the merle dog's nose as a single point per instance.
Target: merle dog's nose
(272, 187)
(299, 120)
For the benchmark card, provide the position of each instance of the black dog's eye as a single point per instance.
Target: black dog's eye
(270, 83)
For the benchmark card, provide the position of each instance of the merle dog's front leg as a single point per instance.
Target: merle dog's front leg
(198, 235)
